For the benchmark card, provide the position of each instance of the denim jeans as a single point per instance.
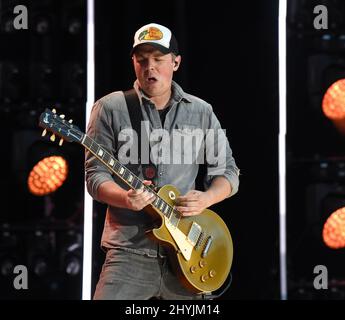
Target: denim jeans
(129, 276)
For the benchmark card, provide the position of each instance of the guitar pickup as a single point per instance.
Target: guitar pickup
(194, 233)
(207, 247)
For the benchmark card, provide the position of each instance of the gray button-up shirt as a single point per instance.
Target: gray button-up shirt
(190, 135)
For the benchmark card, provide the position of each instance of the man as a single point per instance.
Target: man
(136, 267)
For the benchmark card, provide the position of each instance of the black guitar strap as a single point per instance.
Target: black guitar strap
(134, 109)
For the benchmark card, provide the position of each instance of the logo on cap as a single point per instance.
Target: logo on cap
(152, 33)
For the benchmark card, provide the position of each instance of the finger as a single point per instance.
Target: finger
(135, 192)
(188, 214)
(147, 182)
(182, 197)
(191, 193)
(188, 197)
(187, 202)
(153, 198)
(143, 196)
(186, 209)
(146, 196)
(145, 201)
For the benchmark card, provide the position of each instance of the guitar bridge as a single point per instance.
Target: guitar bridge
(207, 246)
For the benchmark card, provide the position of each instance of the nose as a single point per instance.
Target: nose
(150, 64)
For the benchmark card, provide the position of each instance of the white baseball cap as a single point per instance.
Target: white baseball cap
(157, 36)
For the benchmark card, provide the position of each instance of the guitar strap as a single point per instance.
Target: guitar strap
(134, 109)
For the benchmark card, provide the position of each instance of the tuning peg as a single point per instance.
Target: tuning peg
(44, 132)
(60, 142)
(52, 137)
(70, 121)
(54, 110)
(62, 116)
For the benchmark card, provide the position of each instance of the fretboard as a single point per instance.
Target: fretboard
(129, 177)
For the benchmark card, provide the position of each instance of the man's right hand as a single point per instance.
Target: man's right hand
(140, 198)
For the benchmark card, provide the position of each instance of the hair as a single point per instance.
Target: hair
(173, 56)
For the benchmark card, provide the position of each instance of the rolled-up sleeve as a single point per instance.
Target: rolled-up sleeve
(100, 129)
(219, 158)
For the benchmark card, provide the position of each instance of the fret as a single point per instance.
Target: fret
(166, 210)
(88, 141)
(94, 147)
(135, 182)
(117, 166)
(175, 218)
(170, 210)
(125, 174)
(155, 203)
(162, 206)
(111, 162)
(129, 178)
(158, 203)
(100, 152)
(106, 157)
(140, 185)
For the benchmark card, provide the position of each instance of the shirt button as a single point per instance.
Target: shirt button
(161, 173)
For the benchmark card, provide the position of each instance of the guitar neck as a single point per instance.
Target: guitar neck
(112, 163)
(126, 175)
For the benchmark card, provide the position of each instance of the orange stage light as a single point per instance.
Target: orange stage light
(47, 175)
(333, 232)
(333, 103)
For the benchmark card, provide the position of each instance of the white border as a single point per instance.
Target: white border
(88, 209)
(282, 148)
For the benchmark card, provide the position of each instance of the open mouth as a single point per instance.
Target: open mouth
(151, 79)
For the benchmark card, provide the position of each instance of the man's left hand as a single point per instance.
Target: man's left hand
(193, 203)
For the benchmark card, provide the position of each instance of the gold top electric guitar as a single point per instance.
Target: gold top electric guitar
(201, 246)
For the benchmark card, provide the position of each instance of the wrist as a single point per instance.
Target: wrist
(209, 198)
(126, 202)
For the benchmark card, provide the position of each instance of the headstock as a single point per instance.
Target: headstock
(57, 125)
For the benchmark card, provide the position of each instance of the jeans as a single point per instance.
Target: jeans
(129, 276)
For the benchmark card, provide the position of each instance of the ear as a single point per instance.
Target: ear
(177, 62)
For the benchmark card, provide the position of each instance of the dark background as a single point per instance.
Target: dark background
(230, 59)
(315, 148)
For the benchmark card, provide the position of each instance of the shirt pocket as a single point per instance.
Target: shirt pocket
(186, 128)
(187, 141)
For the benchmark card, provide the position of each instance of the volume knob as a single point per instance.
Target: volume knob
(202, 263)
(204, 277)
(212, 273)
(193, 269)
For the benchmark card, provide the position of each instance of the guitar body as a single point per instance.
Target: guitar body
(200, 273)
